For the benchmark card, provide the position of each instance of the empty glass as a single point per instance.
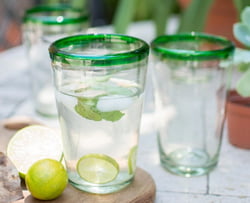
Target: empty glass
(191, 77)
(41, 26)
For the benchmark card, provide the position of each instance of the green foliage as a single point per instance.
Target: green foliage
(80, 4)
(162, 13)
(194, 17)
(243, 87)
(241, 32)
(124, 15)
(240, 5)
(241, 29)
(159, 11)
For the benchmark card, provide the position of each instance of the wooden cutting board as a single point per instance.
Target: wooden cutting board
(142, 189)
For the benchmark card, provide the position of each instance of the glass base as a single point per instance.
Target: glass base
(101, 189)
(188, 162)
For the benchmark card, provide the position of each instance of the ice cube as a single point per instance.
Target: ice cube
(91, 93)
(114, 103)
(123, 82)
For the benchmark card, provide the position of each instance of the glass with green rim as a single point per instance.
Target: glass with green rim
(192, 72)
(41, 26)
(99, 81)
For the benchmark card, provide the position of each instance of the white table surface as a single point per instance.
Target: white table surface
(228, 183)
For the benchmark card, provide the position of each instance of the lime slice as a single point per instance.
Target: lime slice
(132, 160)
(31, 144)
(97, 168)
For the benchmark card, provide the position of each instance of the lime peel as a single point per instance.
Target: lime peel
(132, 159)
(46, 179)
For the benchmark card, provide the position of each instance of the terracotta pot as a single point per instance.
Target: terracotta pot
(221, 18)
(238, 120)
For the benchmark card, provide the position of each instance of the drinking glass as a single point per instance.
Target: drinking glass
(99, 81)
(191, 77)
(41, 26)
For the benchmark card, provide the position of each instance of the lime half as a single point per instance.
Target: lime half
(31, 144)
(97, 168)
(132, 160)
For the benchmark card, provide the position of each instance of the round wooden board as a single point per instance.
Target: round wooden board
(141, 190)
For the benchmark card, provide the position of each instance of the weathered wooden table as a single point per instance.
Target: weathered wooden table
(229, 182)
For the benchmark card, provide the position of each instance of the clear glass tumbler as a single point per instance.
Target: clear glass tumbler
(41, 26)
(100, 82)
(191, 78)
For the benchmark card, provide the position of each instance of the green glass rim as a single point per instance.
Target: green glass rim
(182, 54)
(31, 15)
(136, 54)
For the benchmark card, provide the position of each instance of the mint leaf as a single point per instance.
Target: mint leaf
(87, 109)
(112, 115)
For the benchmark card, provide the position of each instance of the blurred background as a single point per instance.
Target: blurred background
(12, 11)
(211, 16)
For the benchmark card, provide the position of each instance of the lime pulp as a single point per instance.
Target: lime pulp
(97, 168)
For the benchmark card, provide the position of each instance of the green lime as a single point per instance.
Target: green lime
(46, 179)
(132, 160)
(31, 144)
(97, 168)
